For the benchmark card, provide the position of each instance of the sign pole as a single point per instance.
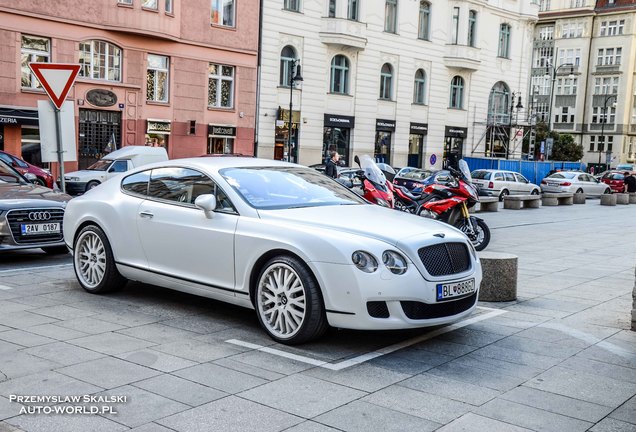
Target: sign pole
(60, 152)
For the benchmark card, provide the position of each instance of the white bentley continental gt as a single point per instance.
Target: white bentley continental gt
(302, 250)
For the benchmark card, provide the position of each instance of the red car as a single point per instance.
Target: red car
(615, 180)
(44, 177)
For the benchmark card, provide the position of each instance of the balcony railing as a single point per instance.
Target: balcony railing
(462, 57)
(343, 32)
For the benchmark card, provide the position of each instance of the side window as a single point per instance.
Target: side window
(137, 183)
(520, 178)
(499, 176)
(583, 177)
(119, 166)
(509, 177)
(5, 158)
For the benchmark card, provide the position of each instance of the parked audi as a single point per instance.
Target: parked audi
(299, 248)
(30, 215)
(574, 182)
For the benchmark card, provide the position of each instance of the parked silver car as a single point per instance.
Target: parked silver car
(500, 183)
(574, 182)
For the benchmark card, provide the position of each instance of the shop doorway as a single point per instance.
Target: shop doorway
(96, 130)
(337, 139)
(453, 151)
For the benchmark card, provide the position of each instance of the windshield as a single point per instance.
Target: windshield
(100, 165)
(463, 167)
(9, 175)
(270, 188)
(372, 171)
(414, 174)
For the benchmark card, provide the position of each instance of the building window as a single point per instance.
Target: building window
(386, 82)
(34, 49)
(419, 91)
(353, 10)
(592, 143)
(455, 26)
(566, 86)
(612, 28)
(287, 58)
(292, 5)
(457, 92)
(544, 5)
(100, 60)
(223, 12)
(570, 56)
(390, 16)
(157, 78)
(504, 41)
(609, 56)
(220, 86)
(598, 116)
(572, 30)
(546, 33)
(332, 8)
(424, 28)
(472, 28)
(566, 116)
(606, 85)
(169, 7)
(542, 56)
(149, 4)
(125, 2)
(339, 75)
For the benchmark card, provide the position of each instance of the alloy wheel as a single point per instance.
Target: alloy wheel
(90, 259)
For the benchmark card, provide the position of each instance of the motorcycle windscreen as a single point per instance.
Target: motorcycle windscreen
(372, 172)
(463, 167)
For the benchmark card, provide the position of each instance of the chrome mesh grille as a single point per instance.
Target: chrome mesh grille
(16, 218)
(445, 258)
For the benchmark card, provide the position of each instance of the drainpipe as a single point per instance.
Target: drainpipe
(258, 77)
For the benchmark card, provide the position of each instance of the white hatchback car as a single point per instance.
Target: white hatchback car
(574, 182)
(500, 183)
(298, 247)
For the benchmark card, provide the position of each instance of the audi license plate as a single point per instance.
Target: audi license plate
(455, 289)
(41, 228)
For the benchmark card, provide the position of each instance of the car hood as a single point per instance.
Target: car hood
(86, 174)
(14, 195)
(391, 226)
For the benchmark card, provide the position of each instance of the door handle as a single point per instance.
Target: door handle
(145, 214)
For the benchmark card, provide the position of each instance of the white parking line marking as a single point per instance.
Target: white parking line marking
(35, 268)
(4, 287)
(374, 354)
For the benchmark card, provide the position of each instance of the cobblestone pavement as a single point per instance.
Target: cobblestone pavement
(560, 358)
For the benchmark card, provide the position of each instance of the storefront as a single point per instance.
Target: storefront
(284, 147)
(99, 133)
(20, 133)
(221, 139)
(454, 138)
(384, 130)
(417, 139)
(158, 133)
(336, 134)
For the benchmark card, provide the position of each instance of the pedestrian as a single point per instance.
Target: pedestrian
(630, 182)
(331, 166)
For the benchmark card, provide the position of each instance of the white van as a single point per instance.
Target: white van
(112, 164)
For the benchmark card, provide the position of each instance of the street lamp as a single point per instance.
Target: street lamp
(603, 120)
(294, 77)
(551, 71)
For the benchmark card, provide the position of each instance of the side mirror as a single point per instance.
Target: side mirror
(356, 159)
(207, 203)
(31, 177)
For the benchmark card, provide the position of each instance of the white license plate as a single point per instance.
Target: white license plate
(455, 289)
(554, 184)
(42, 228)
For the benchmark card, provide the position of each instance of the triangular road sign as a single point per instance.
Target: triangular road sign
(56, 79)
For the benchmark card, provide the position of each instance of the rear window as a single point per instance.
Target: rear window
(481, 175)
(615, 176)
(566, 175)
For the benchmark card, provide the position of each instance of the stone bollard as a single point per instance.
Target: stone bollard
(499, 276)
(579, 198)
(632, 198)
(608, 199)
(622, 198)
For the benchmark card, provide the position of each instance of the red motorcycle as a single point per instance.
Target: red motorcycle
(450, 202)
(375, 187)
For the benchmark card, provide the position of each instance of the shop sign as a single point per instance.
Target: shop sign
(101, 97)
(385, 125)
(16, 117)
(336, 120)
(155, 126)
(419, 128)
(456, 132)
(218, 130)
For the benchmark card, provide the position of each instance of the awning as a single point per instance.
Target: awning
(18, 117)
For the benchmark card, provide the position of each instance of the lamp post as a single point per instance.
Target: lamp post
(294, 77)
(551, 72)
(518, 107)
(603, 120)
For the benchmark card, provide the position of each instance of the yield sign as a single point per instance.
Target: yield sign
(56, 78)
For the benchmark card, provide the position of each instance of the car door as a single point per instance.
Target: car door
(523, 184)
(119, 166)
(597, 186)
(179, 240)
(511, 183)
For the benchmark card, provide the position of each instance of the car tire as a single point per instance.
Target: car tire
(94, 262)
(535, 192)
(503, 194)
(607, 191)
(288, 301)
(40, 182)
(91, 184)
(579, 190)
(55, 250)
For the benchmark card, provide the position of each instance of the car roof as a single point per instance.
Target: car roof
(496, 170)
(227, 162)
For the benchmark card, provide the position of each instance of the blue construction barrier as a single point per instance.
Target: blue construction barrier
(534, 171)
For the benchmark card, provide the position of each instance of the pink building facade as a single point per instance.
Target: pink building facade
(153, 72)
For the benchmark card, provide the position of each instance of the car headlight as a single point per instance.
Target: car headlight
(394, 262)
(364, 261)
(73, 179)
(381, 202)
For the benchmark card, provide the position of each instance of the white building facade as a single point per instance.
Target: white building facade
(410, 82)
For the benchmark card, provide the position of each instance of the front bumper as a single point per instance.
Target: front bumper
(73, 188)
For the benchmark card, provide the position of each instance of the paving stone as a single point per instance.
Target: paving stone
(220, 378)
(495, 365)
(201, 324)
(584, 386)
(151, 427)
(626, 412)
(531, 418)
(557, 404)
(15, 364)
(537, 347)
(54, 331)
(311, 426)
(108, 372)
(410, 361)
(156, 360)
(365, 377)
(612, 425)
(63, 353)
(180, 390)
(62, 312)
(158, 333)
(7, 347)
(516, 357)
(359, 416)
(479, 377)
(443, 347)
(90, 325)
(24, 338)
(272, 362)
(595, 367)
(111, 343)
(425, 405)
(7, 306)
(471, 422)
(141, 407)
(66, 423)
(229, 414)
(451, 389)
(8, 409)
(197, 351)
(311, 396)
(228, 362)
(24, 319)
(472, 337)
(46, 383)
(127, 318)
